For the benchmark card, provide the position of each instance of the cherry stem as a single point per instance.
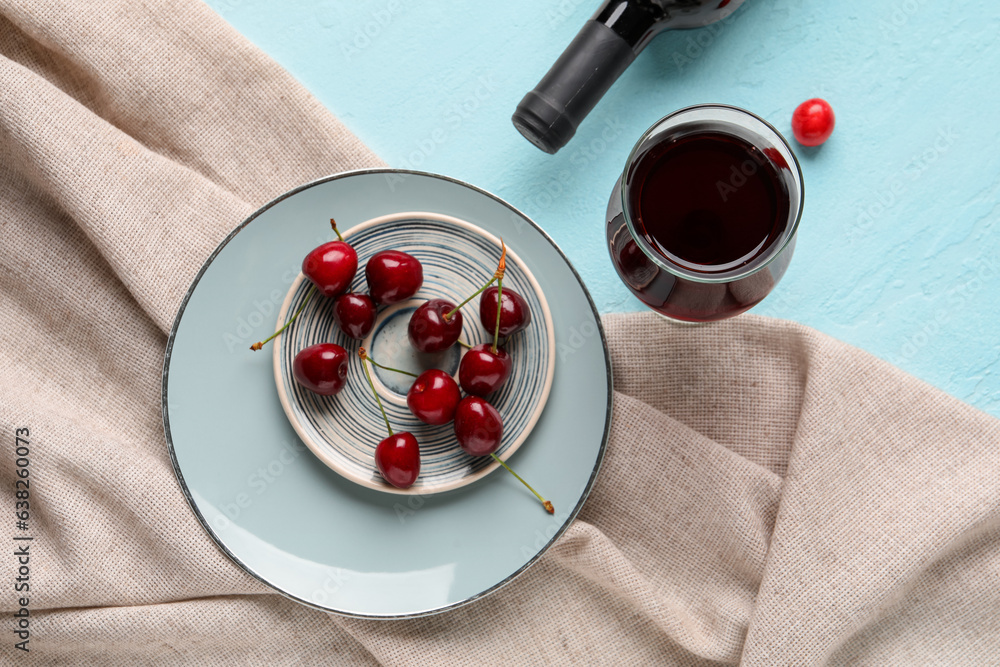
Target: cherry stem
(464, 344)
(496, 332)
(501, 267)
(364, 364)
(333, 223)
(545, 503)
(389, 368)
(257, 346)
(451, 313)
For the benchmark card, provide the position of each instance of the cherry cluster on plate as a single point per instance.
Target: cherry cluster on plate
(434, 397)
(392, 276)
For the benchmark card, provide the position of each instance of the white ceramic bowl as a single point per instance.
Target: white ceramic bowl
(343, 430)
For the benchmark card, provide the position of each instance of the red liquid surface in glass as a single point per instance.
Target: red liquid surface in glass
(707, 202)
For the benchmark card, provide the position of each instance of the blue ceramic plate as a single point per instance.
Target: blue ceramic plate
(291, 521)
(343, 430)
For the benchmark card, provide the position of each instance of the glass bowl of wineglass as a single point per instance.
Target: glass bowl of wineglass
(701, 224)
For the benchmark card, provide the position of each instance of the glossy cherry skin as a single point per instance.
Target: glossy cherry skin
(812, 122)
(398, 459)
(321, 368)
(354, 314)
(478, 426)
(483, 371)
(393, 276)
(514, 316)
(331, 267)
(433, 397)
(428, 329)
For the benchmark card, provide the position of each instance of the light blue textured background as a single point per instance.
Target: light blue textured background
(897, 252)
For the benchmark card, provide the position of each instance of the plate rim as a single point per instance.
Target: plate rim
(299, 429)
(164, 405)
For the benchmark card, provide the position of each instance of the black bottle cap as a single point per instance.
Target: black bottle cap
(549, 115)
(542, 123)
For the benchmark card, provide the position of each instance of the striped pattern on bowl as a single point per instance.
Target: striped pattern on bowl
(343, 430)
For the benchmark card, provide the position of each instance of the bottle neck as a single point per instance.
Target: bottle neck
(549, 115)
(635, 21)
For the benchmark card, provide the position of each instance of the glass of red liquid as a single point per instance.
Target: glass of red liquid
(702, 222)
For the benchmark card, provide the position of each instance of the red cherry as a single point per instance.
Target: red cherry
(398, 459)
(433, 397)
(430, 330)
(483, 371)
(354, 314)
(478, 426)
(331, 267)
(398, 456)
(479, 429)
(812, 122)
(393, 276)
(321, 368)
(514, 316)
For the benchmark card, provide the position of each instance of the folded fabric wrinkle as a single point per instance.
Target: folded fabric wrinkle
(769, 496)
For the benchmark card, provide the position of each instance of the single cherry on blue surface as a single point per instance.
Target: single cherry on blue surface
(813, 121)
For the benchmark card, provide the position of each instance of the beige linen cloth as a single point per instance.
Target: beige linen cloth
(770, 496)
